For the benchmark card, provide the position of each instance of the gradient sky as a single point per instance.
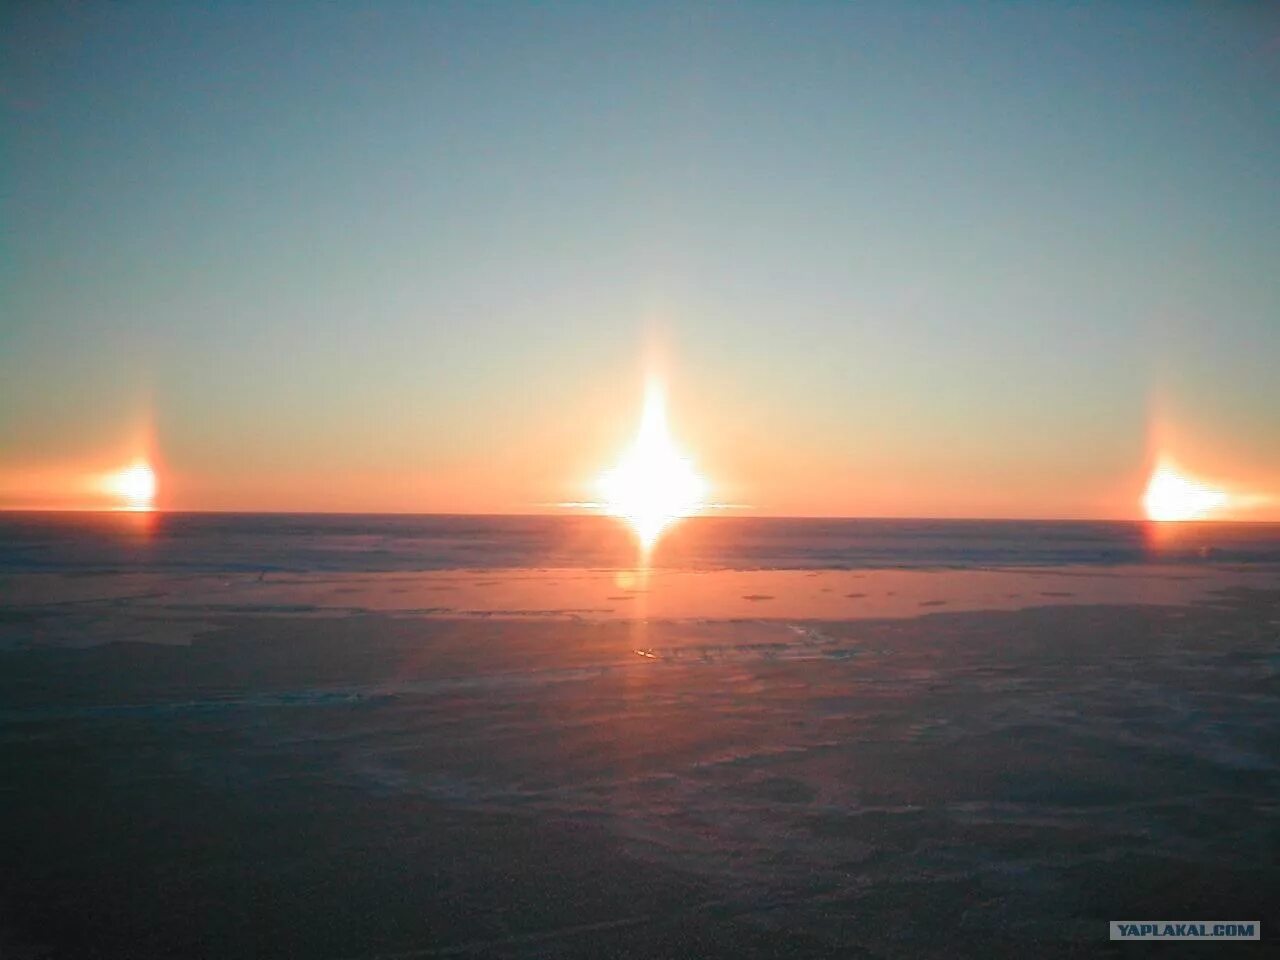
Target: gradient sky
(933, 259)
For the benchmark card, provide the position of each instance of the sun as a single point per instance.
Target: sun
(653, 485)
(135, 485)
(1171, 496)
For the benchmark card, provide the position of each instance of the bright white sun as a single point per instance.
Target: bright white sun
(1171, 496)
(135, 485)
(653, 485)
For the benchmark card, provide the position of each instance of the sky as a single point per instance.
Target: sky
(929, 259)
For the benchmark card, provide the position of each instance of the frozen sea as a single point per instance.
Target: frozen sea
(389, 543)
(376, 737)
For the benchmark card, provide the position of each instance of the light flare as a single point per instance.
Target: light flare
(653, 485)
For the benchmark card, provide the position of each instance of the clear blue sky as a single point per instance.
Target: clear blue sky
(419, 250)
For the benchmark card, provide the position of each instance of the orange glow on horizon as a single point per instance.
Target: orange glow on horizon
(653, 485)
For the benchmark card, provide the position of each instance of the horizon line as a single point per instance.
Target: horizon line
(699, 516)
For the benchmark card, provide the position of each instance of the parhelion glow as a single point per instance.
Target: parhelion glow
(135, 485)
(1173, 496)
